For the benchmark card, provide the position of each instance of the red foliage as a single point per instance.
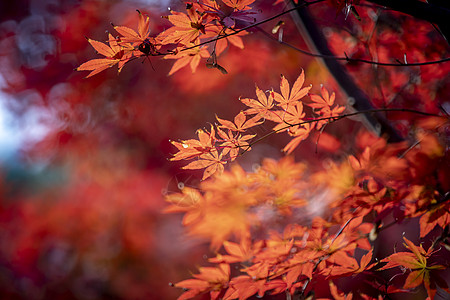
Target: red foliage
(324, 221)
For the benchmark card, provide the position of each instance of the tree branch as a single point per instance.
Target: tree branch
(335, 119)
(318, 44)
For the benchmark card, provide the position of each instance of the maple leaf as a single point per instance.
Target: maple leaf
(329, 113)
(277, 286)
(320, 244)
(238, 4)
(243, 287)
(189, 201)
(190, 57)
(186, 29)
(191, 148)
(241, 12)
(213, 32)
(296, 93)
(210, 279)
(438, 214)
(221, 220)
(277, 183)
(293, 116)
(128, 35)
(324, 101)
(421, 272)
(233, 143)
(285, 169)
(233, 183)
(114, 54)
(300, 134)
(240, 123)
(381, 161)
(211, 162)
(349, 265)
(274, 252)
(242, 252)
(261, 107)
(324, 105)
(219, 210)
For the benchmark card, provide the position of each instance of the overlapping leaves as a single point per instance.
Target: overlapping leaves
(228, 139)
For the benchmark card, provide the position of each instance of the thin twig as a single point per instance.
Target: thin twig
(354, 60)
(337, 118)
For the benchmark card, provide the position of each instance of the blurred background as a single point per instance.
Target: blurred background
(84, 162)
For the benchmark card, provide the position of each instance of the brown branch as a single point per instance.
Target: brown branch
(337, 118)
(354, 60)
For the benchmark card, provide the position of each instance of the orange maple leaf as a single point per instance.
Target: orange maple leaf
(324, 101)
(324, 105)
(133, 37)
(238, 4)
(213, 32)
(190, 57)
(210, 279)
(240, 123)
(261, 107)
(211, 162)
(243, 287)
(296, 93)
(233, 143)
(186, 29)
(291, 118)
(114, 53)
(189, 201)
(299, 135)
(329, 113)
(191, 148)
(242, 252)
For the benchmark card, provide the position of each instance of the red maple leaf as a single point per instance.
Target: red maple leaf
(421, 271)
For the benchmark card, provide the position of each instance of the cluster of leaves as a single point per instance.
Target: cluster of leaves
(204, 21)
(224, 142)
(363, 193)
